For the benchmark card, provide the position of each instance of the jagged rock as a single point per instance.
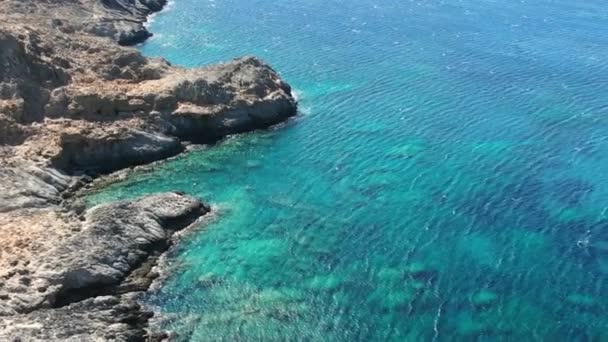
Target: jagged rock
(11, 132)
(484, 298)
(105, 154)
(115, 318)
(30, 186)
(113, 241)
(61, 82)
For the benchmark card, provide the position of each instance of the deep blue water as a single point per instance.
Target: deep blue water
(446, 178)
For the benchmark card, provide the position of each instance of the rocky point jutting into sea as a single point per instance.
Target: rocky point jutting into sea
(76, 102)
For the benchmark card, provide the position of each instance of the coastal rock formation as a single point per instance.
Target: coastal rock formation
(120, 20)
(76, 102)
(124, 101)
(66, 89)
(26, 186)
(87, 269)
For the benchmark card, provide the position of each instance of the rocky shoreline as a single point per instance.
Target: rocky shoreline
(76, 103)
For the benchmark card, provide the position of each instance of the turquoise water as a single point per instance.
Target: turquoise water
(446, 178)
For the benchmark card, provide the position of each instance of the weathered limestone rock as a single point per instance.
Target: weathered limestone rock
(63, 79)
(95, 260)
(30, 186)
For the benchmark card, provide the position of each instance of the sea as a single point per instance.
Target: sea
(445, 179)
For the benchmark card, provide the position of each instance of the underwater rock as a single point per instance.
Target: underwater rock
(581, 300)
(389, 275)
(325, 283)
(468, 325)
(390, 299)
(396, 299)
(209, 280)
(484, 298)
(407, 150)
(419, 270)
(417, 285)
(254, 164)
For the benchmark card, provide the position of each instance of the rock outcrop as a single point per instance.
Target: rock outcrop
(65, 84)
(78, 278)
(76, 102)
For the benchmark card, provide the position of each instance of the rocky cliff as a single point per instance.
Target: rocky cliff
(76, 102)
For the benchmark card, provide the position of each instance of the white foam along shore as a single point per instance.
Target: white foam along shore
(150, 19)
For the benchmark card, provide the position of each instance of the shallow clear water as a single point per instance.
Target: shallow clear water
(446, 178)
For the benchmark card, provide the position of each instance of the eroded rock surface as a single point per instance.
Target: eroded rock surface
(76, 101)
(75, 280)
(66, 85)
